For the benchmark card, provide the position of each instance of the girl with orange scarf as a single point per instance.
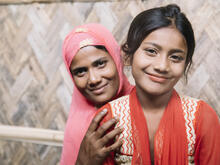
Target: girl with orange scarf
(160, 126)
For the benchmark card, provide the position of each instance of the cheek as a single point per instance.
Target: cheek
(80, 83)
(110, 71)
(116, 81)
(140, 62)
(178, 70)
(141, 59)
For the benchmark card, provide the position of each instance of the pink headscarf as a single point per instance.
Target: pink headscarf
(82, 111)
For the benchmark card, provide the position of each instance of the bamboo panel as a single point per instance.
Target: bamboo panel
(35, 89)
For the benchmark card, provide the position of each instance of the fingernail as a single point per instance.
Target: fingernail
(121, 128)
(113, 120)
(104, 111)
(116, 118)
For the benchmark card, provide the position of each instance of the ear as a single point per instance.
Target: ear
(126, 59)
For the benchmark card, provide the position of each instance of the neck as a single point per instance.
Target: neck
(153, 102)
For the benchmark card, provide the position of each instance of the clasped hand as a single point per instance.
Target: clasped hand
(95, 146)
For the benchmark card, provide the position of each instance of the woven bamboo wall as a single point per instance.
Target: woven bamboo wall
(35, 89)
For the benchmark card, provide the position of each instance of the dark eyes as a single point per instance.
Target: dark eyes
(100, 63)
(176, 58)
(151, 51)
(79, 72)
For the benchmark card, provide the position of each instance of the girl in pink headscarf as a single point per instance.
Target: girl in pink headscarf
(92, 58)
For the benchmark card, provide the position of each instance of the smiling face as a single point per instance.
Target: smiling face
(95, 75)
(159, 61)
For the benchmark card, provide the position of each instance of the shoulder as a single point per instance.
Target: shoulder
(207, 115)
(203, 114)
(190, 107)
(114, 107)
(198, 106)
(119, 105)
(194, 104)
(188, 101)
(119, 100)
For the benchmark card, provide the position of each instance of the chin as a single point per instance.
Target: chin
(155, 90)
(99, 102)
(160, 92)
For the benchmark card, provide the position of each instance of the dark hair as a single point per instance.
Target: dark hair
(101, 48)
(155, 18)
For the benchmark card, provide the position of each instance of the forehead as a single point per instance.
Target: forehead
(88, 55)
(168, 36)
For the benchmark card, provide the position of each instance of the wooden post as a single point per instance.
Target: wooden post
(8, 2)
(32, 135)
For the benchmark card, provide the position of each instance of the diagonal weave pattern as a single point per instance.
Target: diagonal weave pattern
(35, 89)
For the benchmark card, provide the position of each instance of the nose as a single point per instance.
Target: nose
(161, 64)
(94, 78)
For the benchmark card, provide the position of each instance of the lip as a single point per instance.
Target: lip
(157, 78)
(98, 90)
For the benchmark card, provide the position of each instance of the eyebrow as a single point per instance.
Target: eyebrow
(159, 47)
(177, 51)
(93, 64)
(151, 43)
(98, 60)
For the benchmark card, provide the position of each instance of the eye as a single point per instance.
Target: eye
(151, 51)
(79, 72)
(100, 63)
(176, 58)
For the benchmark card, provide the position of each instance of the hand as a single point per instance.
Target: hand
(94, 149)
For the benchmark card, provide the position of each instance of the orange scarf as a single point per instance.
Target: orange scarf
(170, 142)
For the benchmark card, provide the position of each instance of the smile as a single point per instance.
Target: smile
(156, 78)
(98, 90)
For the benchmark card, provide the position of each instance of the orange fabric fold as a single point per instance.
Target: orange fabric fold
(170, 142)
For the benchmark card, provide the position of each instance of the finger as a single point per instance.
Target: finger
(107, 125)
(115, 146)
(96, 120)
(117, 138)
(111, 135)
